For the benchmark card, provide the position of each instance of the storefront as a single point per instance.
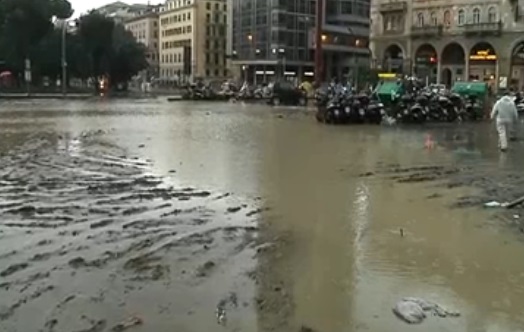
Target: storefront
(517, 67)
(483, 64)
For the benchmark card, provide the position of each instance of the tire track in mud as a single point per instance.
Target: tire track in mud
(91, 211)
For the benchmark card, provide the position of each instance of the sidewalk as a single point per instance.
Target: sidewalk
(46, 96)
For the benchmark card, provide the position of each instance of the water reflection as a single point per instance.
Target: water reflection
(344, 263)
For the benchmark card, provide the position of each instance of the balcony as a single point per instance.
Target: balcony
(483, 29)
(426, 31)
(388, 7)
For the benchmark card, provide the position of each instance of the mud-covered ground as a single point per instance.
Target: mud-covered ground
(153, 216)
(87, 232)
(490, 183)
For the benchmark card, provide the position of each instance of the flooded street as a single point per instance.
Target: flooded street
(153, 216)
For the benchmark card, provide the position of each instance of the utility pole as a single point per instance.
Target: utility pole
(64, 60)
(319, 56)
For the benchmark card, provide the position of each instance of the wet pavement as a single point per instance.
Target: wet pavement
(152, 216)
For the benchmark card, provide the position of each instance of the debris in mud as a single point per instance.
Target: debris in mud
(128, 323)
(77, 262)
(413, 310)
(97, 326)
(221, 311)
(205, 269)
(255, 212)
(134, 210)
(95, 194)
(234, 209)
(366, 175)
(102, 223)
(13, 269)
(494, 204)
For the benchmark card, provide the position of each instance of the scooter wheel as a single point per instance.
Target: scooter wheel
(329, 117)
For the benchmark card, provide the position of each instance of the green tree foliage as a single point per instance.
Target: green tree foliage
(112, 50)
(127, 56)
(98, 47)
(25, 23)
(96, 34)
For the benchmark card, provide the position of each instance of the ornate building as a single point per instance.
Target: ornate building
(445, 41)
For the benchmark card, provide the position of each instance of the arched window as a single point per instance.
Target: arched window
(433, 18)
(476, 16)
(461, 17)
(492, 15)
(447, 18)
(420, 19)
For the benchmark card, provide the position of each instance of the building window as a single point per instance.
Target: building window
(207, 72)
(217, 7)
(208, 6)
(492, 14)
(461, 17)
(208, 17)
(188, 16)
(216, 72)
(476, 16)
(420, 19)
(434, 18)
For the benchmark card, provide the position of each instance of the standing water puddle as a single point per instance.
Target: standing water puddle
(274, 224)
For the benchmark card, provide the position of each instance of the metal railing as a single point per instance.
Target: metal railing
(426, 30)
(483, 27)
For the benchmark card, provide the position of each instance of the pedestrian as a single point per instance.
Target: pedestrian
(505, 115)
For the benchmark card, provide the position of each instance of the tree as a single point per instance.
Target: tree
(24, 23)
(128, 57)
(112, 50)
(96, 34)
(98, 48)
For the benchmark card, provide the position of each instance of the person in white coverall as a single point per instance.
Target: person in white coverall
(505, 114)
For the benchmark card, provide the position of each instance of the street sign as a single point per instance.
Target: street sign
(27, 73)
(503, 82)
(27, 76)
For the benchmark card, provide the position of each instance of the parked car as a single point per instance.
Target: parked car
(285, 93)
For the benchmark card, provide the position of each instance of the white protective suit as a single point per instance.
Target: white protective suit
(506, 116)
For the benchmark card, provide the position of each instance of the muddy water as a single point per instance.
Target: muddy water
(222, 217)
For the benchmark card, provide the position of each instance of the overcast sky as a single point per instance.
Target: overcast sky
(82, 6)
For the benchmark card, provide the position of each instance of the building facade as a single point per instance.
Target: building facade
(120, 12)
(145, 30)
(445, 41)
(277, 38)
(193, 40)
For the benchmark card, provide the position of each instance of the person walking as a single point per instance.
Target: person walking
(505, 115)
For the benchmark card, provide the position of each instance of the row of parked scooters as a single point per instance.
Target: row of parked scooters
(274, 93)
(340, 105)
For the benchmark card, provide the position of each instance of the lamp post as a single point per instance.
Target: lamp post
(319, 66)
(281, 54)
(64, 60)
(65, 24)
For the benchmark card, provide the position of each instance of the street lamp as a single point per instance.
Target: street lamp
(65, 24)
(281, 53)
